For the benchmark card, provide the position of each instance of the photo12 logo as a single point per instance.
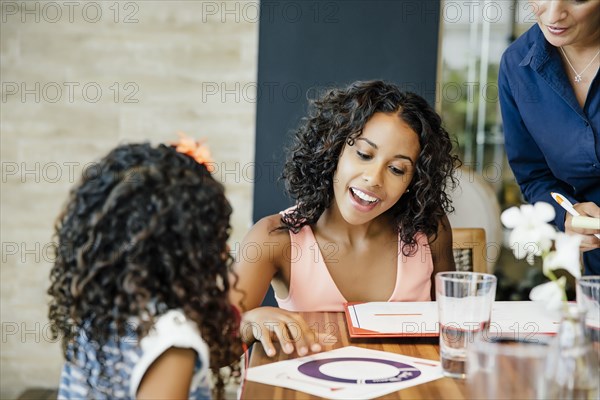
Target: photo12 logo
(53, 12)
(71, 92)
(325, 12)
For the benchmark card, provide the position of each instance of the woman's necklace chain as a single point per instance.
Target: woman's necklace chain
(578, 74)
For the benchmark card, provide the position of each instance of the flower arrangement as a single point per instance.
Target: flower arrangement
(532, 236)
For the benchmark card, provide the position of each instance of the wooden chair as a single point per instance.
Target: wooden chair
(469, 248)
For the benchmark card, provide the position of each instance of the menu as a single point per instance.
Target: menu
(518, 319)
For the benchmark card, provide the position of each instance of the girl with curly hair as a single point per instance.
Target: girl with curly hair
(368, 170)
(140, 282)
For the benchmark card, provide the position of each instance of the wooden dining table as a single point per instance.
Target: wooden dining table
(331, 327)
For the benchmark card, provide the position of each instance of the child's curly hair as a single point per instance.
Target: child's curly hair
(338, 118)
(144, 232)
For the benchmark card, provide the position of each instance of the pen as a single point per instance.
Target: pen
(566, 204)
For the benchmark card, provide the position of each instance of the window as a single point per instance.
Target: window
(474, 34)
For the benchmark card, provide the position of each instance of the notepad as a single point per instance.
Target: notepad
(520, 319)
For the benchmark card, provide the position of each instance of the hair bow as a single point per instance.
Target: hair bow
(195, 149)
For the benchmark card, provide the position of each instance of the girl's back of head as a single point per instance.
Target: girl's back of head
(143, 233)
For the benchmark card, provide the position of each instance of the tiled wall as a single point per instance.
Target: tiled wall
(79, 78)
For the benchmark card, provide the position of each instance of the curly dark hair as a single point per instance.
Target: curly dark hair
(144, 232)
(338, 118)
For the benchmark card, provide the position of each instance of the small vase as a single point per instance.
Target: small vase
(572, 368)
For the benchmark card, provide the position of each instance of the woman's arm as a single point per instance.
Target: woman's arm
(441, 252)
(526, 159)
(529, 164)
(261, 256)
(257, 262)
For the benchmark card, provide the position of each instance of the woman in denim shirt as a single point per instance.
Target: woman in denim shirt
(550, 101)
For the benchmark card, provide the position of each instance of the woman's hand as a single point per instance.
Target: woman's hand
(589, 209)
(290, 329)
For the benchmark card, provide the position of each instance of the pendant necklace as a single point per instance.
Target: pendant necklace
(578, 74)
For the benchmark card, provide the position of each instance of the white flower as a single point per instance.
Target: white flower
(532, 235)
(565, 256)
(551, 293)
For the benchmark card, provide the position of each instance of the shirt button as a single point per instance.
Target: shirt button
(587, 123)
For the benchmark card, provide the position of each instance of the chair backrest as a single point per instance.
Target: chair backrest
(469, 247)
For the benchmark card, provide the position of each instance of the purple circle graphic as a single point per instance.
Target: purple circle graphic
(405, 371)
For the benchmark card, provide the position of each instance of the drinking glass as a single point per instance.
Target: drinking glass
(464, 302)
(506, 368)
(588, 299)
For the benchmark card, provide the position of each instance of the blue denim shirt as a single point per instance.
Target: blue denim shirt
(552, 144)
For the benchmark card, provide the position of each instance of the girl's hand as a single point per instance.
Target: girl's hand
(290, 329)
(589, 242)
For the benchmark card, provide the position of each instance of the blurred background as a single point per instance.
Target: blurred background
(80, 77)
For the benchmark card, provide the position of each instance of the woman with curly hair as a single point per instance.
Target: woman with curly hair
(140, 283)
(368, 170)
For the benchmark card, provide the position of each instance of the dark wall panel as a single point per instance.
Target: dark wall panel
(307, 45)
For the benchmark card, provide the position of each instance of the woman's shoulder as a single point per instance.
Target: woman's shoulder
(269, 228)
(269, 243)
(269, 223)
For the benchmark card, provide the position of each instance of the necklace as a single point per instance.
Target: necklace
(578, 74)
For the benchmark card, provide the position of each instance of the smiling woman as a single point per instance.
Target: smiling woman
(375, 169)
(368, 170)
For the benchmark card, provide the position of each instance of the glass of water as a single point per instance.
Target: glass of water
(588, 299)
(507, 368)
(464, 302)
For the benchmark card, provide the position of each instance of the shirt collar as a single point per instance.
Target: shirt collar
(545, 60)
(539, 52)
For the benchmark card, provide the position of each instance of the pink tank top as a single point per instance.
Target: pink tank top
(312, 288)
